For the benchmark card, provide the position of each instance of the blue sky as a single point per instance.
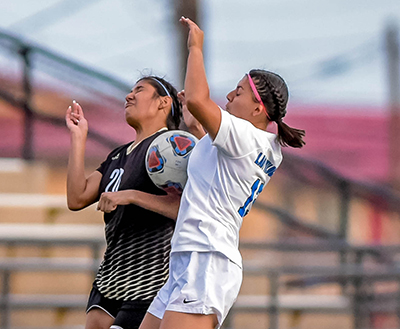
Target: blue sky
(328, 51)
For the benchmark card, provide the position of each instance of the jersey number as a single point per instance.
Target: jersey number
(115, 177)
(256, 189)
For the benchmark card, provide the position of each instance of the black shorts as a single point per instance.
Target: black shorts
(126, 314)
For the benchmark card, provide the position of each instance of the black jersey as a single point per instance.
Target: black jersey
(135, 264)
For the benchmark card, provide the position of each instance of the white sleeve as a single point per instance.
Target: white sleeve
(236, 137)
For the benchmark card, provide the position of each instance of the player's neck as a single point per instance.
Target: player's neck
(145, 133)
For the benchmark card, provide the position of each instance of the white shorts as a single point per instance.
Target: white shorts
(199, 283)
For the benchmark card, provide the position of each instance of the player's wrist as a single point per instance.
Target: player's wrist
(195, 48)
(78, 136)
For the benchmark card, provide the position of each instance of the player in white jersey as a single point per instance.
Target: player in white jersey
(228, 169)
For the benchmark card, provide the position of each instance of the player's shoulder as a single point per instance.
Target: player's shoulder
(238, 123)
(118, 150)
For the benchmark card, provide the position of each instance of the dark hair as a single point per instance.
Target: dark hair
(275, 94)
(174, 119)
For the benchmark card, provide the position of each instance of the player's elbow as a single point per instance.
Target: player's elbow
(75, 204)
(194, 104)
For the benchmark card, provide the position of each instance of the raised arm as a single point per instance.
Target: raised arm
(81, 190)
(197, 93)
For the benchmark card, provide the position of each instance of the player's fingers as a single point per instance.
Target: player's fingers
(184, 21)
(68, 113)
(70, 116)
(100, 203)
(74, 118)
(74, 107)
(188, 22)
(105, 203)
(109, 206)
(181, 96)
(79, 110)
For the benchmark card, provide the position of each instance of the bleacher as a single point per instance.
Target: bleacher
(48, 254)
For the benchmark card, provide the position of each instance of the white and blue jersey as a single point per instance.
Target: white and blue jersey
(225, 176)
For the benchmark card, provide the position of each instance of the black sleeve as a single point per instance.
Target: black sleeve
(103, 165)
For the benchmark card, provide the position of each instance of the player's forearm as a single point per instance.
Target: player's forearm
(76, 179)
(196, 86)
(166, 205)
(197, 94)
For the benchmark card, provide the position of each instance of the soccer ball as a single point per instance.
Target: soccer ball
(167, 157)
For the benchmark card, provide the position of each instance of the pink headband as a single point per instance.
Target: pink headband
(255, 92)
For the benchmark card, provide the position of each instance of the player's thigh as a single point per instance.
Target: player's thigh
(98, 319)
(150, 322)
(130, 315)
(173, 320)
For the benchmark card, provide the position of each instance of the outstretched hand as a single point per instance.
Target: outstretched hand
(75, 119)
(196, 35)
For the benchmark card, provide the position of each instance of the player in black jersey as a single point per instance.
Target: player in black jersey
(139, 217)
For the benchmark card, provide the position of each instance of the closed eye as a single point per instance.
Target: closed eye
(137, 89)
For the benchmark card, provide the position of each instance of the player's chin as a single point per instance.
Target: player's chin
(129, 119)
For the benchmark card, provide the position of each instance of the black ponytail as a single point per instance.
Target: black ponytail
(288, 136)
(275, 95)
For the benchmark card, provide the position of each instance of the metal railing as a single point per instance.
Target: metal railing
(360, 298)
(32, 66)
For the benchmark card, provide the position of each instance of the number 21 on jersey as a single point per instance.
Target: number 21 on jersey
(256, 189)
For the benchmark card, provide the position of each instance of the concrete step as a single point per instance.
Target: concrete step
(43, 208)
(20, 176)
(51, 240)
